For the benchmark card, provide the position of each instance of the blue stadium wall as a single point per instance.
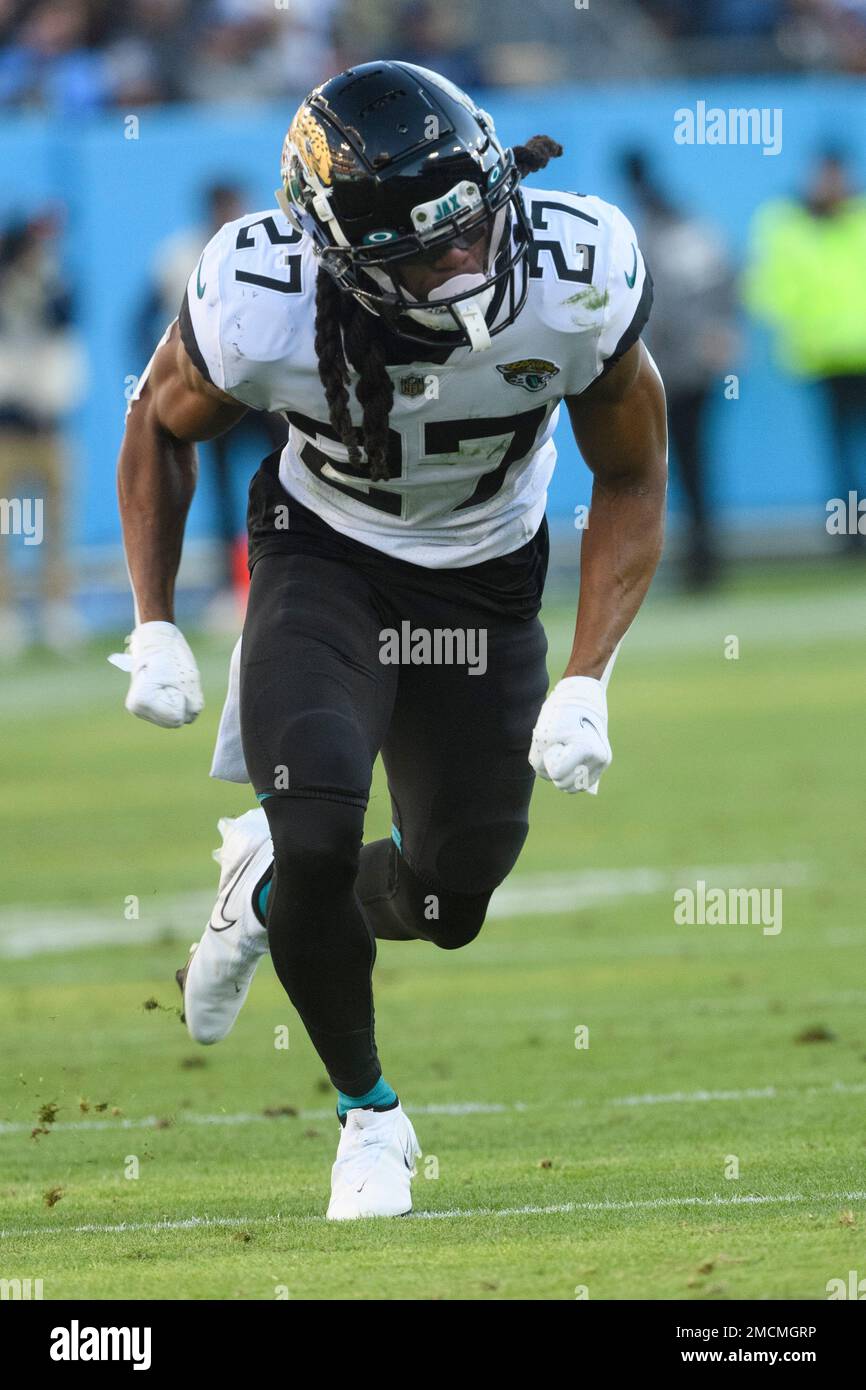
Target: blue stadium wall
(124, 196)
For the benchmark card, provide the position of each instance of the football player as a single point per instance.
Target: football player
(417, 315)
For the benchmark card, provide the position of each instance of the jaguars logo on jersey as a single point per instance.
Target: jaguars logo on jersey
(532, 373)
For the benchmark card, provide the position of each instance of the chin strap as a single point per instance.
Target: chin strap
(471, 315)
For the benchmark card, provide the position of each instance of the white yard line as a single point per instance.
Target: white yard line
(456, 1109)
(666, 625)
(835, 1088)
(698, 1097)
(455, 1213)
(566, 891)
(651, 1204)
(246, 1117)
(759, 620)
(26, 930)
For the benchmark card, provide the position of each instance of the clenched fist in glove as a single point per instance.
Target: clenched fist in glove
(165, 687)
(569, 744)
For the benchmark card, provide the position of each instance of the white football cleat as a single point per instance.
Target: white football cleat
(375, 1165)
(216, 978)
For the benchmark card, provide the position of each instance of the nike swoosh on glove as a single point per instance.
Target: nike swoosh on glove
(165, 687)
(569, 745)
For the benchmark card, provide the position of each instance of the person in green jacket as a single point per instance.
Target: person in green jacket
(807, 279)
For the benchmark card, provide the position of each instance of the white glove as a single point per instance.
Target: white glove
(165, 686)
(569, 745)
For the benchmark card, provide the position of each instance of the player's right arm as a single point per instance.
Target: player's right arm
(173, 408)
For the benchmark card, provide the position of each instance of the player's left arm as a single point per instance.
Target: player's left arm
(620, 426)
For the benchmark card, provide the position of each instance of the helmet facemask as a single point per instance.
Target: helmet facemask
(370, 271)
(463, 299)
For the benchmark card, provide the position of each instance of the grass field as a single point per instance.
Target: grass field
(606, 1169)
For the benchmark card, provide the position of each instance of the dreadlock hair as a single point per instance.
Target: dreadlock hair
(345, 330)
(535, 154)
(339, 318)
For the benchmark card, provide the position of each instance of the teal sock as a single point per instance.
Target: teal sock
(262, 909)
(382, 1095)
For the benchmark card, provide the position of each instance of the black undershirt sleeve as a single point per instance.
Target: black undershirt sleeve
(635, 328)
(188, 338)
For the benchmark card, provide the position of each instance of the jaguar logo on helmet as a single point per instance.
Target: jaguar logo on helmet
(372, 194)
(532, 373)
(311, 144)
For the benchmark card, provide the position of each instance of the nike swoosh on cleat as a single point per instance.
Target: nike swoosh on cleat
(228, 892)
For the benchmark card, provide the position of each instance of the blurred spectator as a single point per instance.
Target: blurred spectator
(173, 262)
(683, 18)
(175, 259)
(828, 33)
(432, 34)
(49, 61)
(76, 56)
(807, 279)
(148, 50)
(691, 334)
(41, 380)
(253, 50)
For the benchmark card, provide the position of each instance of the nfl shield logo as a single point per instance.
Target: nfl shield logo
(412, 385)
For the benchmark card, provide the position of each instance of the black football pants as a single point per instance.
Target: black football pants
(317, 705)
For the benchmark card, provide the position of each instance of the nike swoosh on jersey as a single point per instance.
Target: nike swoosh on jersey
(225, 897)
(630, 279)
(199, 287)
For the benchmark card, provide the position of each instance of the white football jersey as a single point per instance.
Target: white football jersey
(471, 451)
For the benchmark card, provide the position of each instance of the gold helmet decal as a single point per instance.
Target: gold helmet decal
(311, 143)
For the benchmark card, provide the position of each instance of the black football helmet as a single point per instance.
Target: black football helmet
(390, 162)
